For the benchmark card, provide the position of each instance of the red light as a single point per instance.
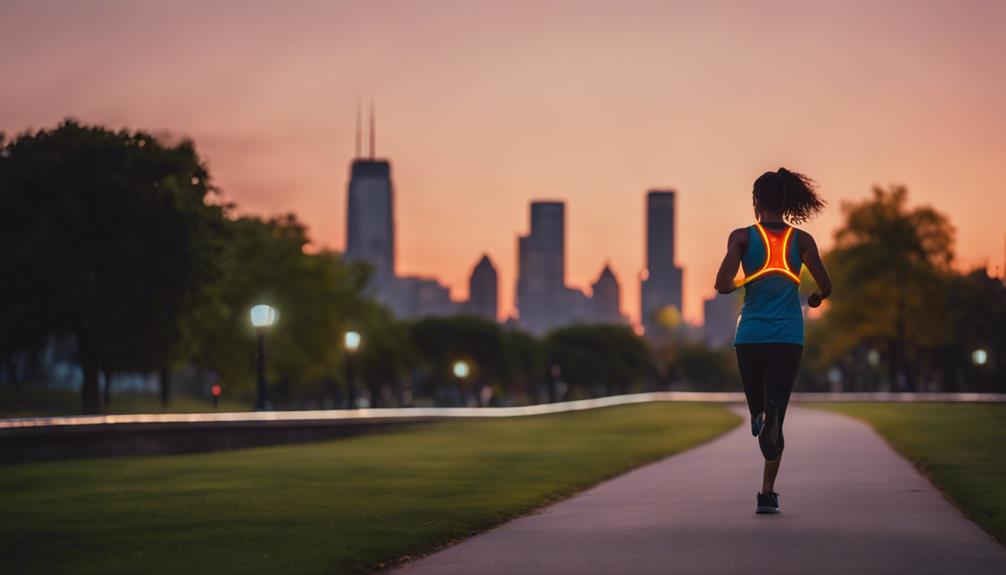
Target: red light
(217, 391)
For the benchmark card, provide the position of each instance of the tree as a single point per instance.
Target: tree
(526, 359)
(702, 367)
(890, 266)
(977, 304)
(109, 237)
(387, 351)
(598, 359)
(441, 341)
(317, 295)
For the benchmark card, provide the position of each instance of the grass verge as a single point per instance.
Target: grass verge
(959, 446)
(336, 507)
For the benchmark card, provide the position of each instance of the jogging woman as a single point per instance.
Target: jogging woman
(769, 337)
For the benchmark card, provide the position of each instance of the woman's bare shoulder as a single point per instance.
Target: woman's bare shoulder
(738, 237)
(805, 241)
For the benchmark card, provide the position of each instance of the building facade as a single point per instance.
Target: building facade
(414, 297)
(661, 287)
(370, 220)
(606, 298)
(542, 298)
(483, 287)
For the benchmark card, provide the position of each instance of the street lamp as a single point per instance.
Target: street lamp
(263, 317)
(352, 340)
(461, 371)
(873, 357)
(979, 358)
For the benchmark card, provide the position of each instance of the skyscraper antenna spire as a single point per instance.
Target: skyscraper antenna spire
(372, 134)
(359, 130)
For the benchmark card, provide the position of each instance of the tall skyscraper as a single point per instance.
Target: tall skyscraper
(606, 298)
(541, 282)
(370, 220)
(482, 290)
(370, 237)
(661, 297)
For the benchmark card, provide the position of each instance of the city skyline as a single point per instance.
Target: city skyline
(489, 106)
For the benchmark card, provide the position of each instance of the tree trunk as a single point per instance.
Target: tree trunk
(165, 380)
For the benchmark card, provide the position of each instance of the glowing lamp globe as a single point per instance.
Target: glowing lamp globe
(873, 357)
(263, 316)
(461, 369)
(979, 357)
(352, 339)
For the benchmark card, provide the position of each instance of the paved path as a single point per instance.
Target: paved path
(694, 513)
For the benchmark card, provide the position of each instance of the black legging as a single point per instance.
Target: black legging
(768, 371)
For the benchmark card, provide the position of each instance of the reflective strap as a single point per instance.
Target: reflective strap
(767, 267)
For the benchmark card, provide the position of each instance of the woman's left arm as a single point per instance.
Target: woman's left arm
(811, 257)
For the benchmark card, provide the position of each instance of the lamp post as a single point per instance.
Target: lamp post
(263, 317)
(352, 341)
(979, 358)
(873, 359)
(461, 371)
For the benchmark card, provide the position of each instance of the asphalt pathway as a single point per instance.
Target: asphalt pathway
(850, 505)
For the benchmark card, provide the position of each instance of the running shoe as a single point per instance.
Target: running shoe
(769, 437)
(768, 503)
(756, 423)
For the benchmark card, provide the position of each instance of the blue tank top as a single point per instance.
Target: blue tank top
(771, 312)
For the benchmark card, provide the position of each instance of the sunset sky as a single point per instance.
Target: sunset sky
(483, 106)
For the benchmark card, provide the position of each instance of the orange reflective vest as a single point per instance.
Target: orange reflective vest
(776, 246)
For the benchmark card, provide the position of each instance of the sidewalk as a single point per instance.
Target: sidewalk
(850, 505)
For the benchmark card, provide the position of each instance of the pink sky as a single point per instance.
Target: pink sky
(483, 106)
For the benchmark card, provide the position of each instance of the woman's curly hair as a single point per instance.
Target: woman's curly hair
(792, 193)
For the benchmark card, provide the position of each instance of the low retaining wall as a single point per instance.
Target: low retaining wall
(42, 443)
(46, 438)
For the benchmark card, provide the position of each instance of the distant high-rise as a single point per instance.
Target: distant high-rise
(370, 220)
(660, 301)
(606, 298)
(541, 282)
(482, 290)
(413, 297)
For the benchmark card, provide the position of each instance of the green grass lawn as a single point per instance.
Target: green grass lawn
(961, 447)
(335, 507)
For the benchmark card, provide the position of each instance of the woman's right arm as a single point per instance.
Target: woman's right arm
(731, 261)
